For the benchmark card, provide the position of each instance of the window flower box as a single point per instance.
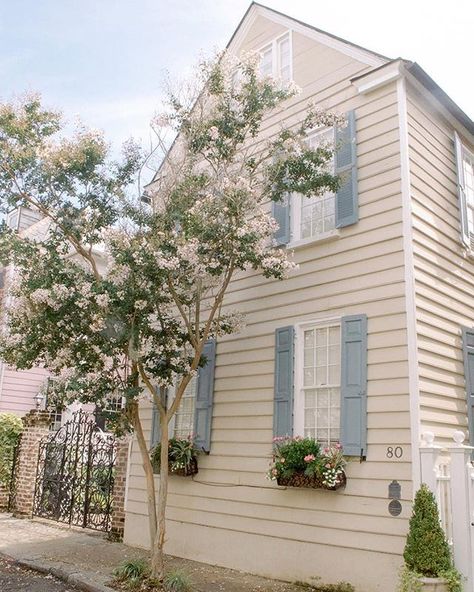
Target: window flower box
(300, 462)
(187, 470)
(313, 482)
(182, 457)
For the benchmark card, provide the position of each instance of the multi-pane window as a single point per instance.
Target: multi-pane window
(284, 58)
(266, 63)
(115, 403)
(468, 168)
(55, 419)
(276, 59)
(321, 383)
(316, 213)
(184, 418)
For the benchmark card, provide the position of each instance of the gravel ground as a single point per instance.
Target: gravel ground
(18, 579)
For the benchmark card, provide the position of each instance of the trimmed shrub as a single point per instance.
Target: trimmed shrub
(11, 427)
(426, 551)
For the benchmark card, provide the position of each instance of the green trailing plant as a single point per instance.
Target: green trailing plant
(409, 581)
(427, 553)
(453, 578)
(181, 453)
(177, 581)
(10, 431)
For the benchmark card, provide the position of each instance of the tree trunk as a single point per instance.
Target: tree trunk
(149, 476)
(157, 556)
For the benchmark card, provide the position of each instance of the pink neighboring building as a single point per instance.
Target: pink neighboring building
(19, 388)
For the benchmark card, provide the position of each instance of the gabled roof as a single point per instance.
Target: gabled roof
(357, 51)
(371, 58)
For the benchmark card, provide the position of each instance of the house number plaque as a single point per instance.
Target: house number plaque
(394, 452)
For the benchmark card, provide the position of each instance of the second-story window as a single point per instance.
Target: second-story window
(314, 216)
(266, 63)
(276, 58)
(468, 166)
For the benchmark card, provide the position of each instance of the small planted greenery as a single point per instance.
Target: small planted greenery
(177, 581)
(131, 574)
(300, 462)
(182, 457)
(427, 553)
(339, 587)
(11, 427)
(135, 574)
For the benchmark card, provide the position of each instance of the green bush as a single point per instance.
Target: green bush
(10, 430)
(427, 552)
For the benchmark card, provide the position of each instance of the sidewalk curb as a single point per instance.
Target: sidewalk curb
(78, 579)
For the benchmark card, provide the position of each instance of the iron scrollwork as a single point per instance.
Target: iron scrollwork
(75, 478)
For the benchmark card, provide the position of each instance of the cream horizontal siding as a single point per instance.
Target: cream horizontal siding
(444, 276)
(361, 271)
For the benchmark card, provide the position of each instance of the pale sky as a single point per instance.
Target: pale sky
(103, 60)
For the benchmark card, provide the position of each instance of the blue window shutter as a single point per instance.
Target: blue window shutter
(458, 150)
(155, 426)
(204, 398)
(281, 213)
(284, 370)
(347, 202)
(468, 351)
(354, 385)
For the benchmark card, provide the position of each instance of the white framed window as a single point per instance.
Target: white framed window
(317, 412)
(115, 403)
(184, 418)
(314, 217)
(468, 170)
(277, 58)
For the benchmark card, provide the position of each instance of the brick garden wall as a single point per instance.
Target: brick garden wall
(118, 497)
(4, 496)
(36, 427)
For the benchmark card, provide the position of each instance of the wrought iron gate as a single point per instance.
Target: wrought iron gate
(75, 476)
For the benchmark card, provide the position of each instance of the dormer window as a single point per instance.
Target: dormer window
(276, 58)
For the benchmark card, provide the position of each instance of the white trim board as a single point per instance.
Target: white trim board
(413, 378)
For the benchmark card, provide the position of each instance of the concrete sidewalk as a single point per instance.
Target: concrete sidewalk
(87, 560)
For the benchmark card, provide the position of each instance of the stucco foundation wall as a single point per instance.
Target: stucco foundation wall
(279, 558)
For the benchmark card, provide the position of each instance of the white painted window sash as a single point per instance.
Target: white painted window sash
(274, 48)
(299, 388)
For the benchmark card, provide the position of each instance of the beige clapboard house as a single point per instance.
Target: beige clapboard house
(383, 290)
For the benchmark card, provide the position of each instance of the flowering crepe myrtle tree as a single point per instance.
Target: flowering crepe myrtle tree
(121, 295)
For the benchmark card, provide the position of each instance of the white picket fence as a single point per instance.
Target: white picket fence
(449, 473)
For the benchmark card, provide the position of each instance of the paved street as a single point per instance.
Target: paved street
(18, 579)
